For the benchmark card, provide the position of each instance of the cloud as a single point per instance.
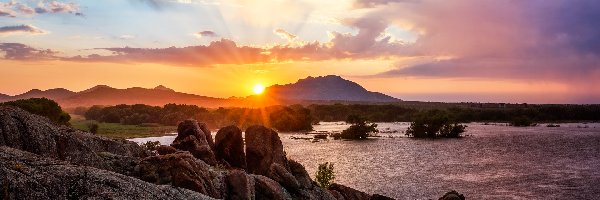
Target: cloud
(6, 9)
(218, 52)
(29, 29)
(535, 39)
(284, 34)
(7, 13)
(57, 7)
(17, 51)
(11, 8)
(202, 34)
(25, 9)
(126, 37)
(368, 43)
(374, 3)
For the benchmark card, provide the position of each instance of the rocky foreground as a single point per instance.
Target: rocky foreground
(39, 160)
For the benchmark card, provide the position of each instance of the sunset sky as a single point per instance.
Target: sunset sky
(534, 51)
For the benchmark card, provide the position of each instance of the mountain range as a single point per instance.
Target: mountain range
(323, 88)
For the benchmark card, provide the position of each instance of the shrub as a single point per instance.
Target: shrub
(359, 130)
(44, 107)
(521, 121)
(151, 145)
(93, 127)
(325, 174)
(434, 123)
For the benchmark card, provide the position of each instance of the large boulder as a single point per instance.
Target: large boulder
(265, 188)
(381, 197)
(452, 195)
(164, 150)
(190, 137)
(263, 148)
(207, 135)
(284, 177)
(348, 193)
(240, 186)
(180, 169)
(301, 175)
(24, 175)
(22, 130)
(229, 146)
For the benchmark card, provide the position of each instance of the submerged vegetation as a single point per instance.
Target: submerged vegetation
(359, 129)
(521, 121)
(434, 124)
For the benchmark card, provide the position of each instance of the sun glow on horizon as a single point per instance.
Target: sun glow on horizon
(258, 89)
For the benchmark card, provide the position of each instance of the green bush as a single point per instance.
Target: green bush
(325, 175)
(93, 127)
(43, 107)
(434, 123)
(151, 145)
(359, 130)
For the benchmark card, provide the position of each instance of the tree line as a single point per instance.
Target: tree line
(392, 113)
(282, 118)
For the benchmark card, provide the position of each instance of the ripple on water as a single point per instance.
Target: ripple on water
(494, 162)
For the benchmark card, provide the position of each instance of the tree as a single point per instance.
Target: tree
(520, 121)
(359, 130)
(433, 124)
(325, 174)
(44, 107)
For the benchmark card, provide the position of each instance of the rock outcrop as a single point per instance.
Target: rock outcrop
(21, 130)
(229, 147)
(348, 193)
(263, 148)
(39, 160)
(284, 177)
(179, 169)
(452, 195)
(190, 137)
(24, 175)
(239, 185)
(266, 188)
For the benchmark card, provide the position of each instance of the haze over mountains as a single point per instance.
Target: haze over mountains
(327, 88)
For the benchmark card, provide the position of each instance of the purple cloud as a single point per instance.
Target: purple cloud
(206, 34)
(16, 51)
(6, 30)
(533, 39)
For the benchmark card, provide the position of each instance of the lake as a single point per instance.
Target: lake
(493, 161)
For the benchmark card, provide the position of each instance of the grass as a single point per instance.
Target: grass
(120, 131)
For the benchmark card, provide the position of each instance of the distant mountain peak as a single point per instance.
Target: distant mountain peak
(162, 87)
(330, 87)
(97, 87)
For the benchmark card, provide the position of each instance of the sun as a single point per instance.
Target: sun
(258, 89)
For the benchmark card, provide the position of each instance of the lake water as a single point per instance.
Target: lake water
(492, 162)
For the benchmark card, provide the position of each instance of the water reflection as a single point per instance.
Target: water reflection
(494, 162)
